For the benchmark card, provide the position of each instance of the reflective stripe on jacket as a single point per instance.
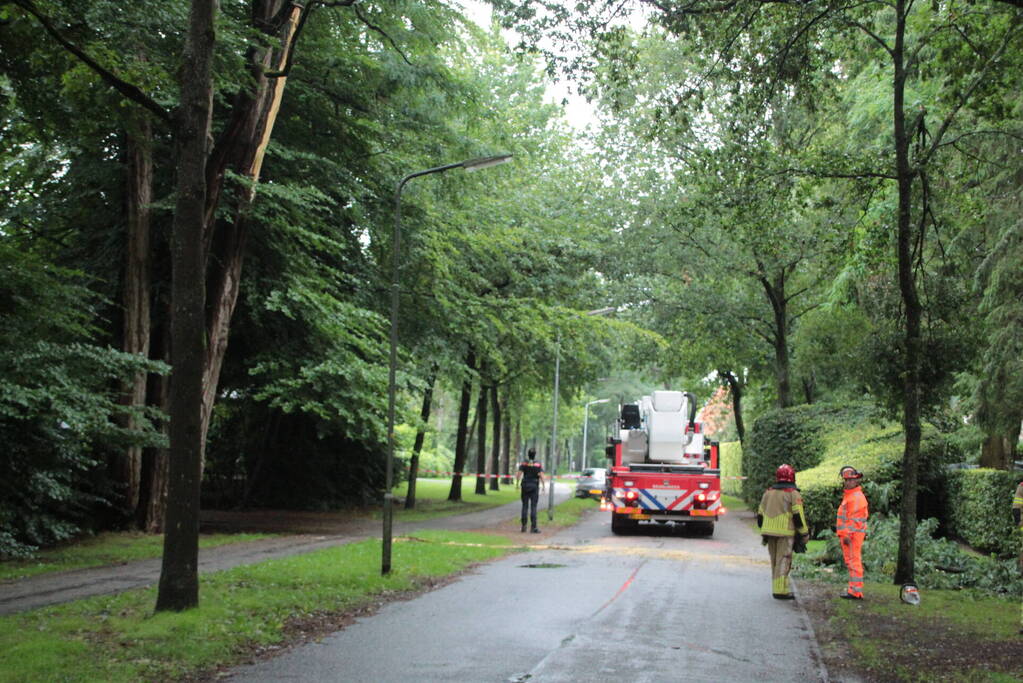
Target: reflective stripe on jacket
(779, 505)
(1017, 500)
(852, 513)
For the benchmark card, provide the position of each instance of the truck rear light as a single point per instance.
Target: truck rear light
(713, 495)
(704, 485)
(701, 497)
(631, 496)
(630, 483)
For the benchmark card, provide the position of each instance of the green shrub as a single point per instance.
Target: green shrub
(844, 435)
(730, 462)
(939, 562)
(977, 504)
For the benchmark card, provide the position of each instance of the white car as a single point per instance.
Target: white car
(591, 483)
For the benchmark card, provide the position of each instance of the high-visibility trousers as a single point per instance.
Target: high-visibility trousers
(852, 553)
(780, 548)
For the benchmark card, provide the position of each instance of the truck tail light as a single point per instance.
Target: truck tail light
(631, 496)
(713, 495)
(701, 497)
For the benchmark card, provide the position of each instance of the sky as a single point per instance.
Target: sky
(578, 112)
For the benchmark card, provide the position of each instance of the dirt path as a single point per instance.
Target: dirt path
(305, 531)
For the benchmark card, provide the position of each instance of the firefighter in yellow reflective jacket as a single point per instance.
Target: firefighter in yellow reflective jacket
(780, 517)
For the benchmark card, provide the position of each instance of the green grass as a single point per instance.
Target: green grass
(732, 503)
(943, 616)
(106, 549)
(568, 512)
(119, 638)
(432, 494)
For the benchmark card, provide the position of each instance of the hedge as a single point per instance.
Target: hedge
(819, 439)
(977, 509)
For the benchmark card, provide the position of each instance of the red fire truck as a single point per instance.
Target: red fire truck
(662, 471)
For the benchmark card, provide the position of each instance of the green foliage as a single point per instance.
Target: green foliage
(57, 404)
(826, 437)
(730, 461)
(978, 504)
(940, 562)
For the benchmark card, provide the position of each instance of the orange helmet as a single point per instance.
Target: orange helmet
(785, 473)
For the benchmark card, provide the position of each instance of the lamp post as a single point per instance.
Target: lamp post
(586, 423)
(554, 424)
(469, 165)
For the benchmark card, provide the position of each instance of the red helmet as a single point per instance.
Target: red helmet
(786, 473)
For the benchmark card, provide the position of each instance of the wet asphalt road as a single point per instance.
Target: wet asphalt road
(589, 606)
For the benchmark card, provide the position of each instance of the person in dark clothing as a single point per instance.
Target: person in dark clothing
(531, 475)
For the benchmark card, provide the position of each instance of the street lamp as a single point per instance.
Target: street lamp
(554, 425)
(469, 165)
(586, 423)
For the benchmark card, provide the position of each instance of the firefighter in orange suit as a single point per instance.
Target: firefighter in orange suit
(851, 529)
(780, 517)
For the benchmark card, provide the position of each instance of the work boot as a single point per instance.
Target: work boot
(849, 596)
(535, 530)
(523, 528)
(783, 596)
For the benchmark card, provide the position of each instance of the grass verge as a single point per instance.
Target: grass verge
(106, 549)
(950, 636)
(432, 494)
(119, 638)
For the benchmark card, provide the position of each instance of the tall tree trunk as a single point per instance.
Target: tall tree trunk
(152, 506)
(905, 566)
(126, 468)
(481, 439)
(735, 389)
(996, 452)
(460, 434)
(417, 447)
(179, 576)
(495, 451)
(240, 150)
(506, 442)
(517, 443)
(775, 290)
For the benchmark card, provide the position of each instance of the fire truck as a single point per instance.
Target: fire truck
(661, 469)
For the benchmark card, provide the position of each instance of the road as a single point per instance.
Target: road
(588, 605)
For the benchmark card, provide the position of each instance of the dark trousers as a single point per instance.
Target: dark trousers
(530, 498)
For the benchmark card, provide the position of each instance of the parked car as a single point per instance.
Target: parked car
(591, 483)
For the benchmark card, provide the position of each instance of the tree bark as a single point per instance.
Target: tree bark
(153, 490)
(735, 389)
(996, 452)
(417, 447)
(126, 468)
(461, 432)
(775, 290)
(905, 566)
(179, 576)
(506, 442)
(240, 149)
(495, 451)
(481, 439)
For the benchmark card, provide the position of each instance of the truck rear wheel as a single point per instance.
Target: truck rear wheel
(620, 524)
(704, 528)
